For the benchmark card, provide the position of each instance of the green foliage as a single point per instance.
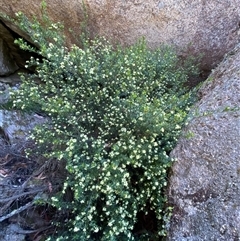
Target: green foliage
(189, 135)
(116, 114)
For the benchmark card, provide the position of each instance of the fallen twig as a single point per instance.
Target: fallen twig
(3, 200)
(16, 211)
(6, 206)
(32, 231)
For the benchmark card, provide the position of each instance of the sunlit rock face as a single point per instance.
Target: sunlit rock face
(209, 28)
(204, 187)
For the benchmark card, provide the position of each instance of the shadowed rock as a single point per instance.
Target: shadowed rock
(7, 64)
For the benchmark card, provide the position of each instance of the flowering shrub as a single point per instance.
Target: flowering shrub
(116, 114)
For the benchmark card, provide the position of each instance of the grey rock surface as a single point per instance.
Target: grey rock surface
(17, 125)
(14, 125)
(4, 93)
(204, 185)
(12, 79)
(11, 232)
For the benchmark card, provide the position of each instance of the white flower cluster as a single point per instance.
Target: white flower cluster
(115, 116)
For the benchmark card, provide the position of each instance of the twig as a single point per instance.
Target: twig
(32, 231)
(3, 200)
(7, 205)
(16, 211)
(23, 186)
